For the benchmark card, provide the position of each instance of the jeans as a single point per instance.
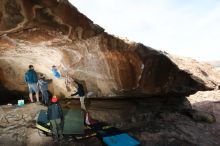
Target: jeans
(45, 98)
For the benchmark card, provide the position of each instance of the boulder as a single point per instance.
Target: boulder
(45, 33)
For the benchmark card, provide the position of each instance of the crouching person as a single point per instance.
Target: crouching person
(55, 116)
(81, 92)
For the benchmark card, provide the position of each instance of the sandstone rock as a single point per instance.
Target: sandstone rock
(204, 117)
(200, 116)
(203, 71)
(41, 33)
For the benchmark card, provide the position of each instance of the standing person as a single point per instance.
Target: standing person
(43, 85)
(81, 92)
(31, 79)
(55, 116)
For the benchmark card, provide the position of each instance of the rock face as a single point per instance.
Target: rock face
(46, 33)
(202, 70)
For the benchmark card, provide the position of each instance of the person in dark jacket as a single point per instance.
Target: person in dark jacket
(81, 92)
(31, 79)
(43, 85)
(55, 116)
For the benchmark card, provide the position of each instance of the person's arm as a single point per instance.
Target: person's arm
(25, 77)
(35, 76)
(59, 67)
(48, 113)
(77, 92)
(61, 114)
(60, 111)
(49, 81)
(44, 81)
(74, 94)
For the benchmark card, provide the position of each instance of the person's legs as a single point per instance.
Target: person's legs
(54, 128)
(82, 102)
(45, 97)
(30, 92)
(36, 90)
(42, 96)
(31, 97)
(59, 128)
(37, 96)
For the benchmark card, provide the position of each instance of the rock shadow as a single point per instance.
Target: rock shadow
(10, 96)
(210, 107)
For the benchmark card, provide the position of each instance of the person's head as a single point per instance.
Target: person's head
(42, 76)
(54, 67)
(54, 99)
(31, 67)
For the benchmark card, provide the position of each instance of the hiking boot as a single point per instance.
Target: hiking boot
(61, 137)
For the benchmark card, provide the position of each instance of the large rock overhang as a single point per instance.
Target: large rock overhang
(46, 33)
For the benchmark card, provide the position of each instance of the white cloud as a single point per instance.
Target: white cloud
(190, 28)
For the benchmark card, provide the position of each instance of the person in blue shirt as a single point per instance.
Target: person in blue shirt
(55, 72)
(31, 79)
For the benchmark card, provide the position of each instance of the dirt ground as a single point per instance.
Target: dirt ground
(149, 120)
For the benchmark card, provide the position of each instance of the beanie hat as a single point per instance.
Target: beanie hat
(54, 99)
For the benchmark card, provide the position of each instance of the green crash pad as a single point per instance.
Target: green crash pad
(73, 121)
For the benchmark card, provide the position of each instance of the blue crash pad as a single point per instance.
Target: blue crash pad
(120, 140)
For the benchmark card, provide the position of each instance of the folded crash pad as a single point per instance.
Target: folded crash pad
(73, 121)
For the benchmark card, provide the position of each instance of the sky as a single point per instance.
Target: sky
(189, 28)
